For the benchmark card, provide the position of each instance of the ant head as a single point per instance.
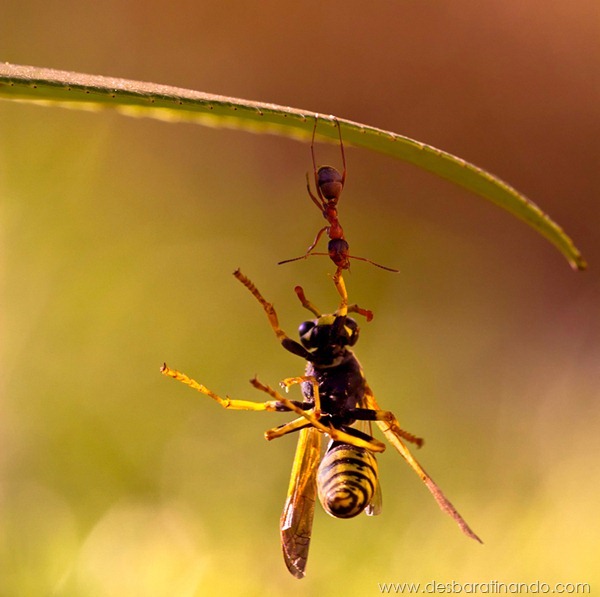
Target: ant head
(338, 252)
(330, 182)
(328, 331)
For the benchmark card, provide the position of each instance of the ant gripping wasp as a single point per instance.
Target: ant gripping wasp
(329, 184)
(335, 397)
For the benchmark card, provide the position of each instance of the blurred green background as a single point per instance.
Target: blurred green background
(118, 241)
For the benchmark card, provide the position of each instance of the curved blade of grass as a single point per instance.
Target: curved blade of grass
(75, 90)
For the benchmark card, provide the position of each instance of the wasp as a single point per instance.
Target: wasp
(329, 184)
(337, 402)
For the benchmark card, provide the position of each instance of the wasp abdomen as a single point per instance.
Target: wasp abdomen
(347, 480)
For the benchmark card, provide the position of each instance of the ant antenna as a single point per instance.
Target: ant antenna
(307, 255)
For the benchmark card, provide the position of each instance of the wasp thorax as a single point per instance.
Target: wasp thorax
(330, 182)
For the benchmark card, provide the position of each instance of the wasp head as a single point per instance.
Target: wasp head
(328, 332)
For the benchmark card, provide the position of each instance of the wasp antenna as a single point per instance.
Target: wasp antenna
(366, 313)
(305, 302)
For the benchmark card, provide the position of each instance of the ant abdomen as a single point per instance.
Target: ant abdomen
(330, 182)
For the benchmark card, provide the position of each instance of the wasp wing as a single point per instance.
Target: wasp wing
(374, 507)
(297, 516)
(439, 497)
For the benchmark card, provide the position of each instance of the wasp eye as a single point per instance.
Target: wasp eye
(305, 327)
(305, 331)
(352, 330)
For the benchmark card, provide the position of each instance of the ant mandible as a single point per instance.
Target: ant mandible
(329, 184)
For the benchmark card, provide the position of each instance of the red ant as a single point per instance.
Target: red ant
(329, 184)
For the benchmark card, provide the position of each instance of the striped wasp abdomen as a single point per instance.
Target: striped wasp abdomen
(347, 480)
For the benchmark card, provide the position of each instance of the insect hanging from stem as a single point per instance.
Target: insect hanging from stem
(338, 402)
(329, 184)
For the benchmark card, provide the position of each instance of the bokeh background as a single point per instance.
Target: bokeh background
(119, 237)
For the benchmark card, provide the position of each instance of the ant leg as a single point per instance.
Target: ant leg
(319, 203)
(312, 151)
(317, 239)
(308, 251)
(270, 405)
(342, 149)
(392, 435)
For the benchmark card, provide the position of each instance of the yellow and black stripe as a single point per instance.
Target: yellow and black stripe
(347, 480)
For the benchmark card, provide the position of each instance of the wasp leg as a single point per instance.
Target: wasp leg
(290, 381)
(368, 414)
(295, 425)
(394, 427)
(335, 434)
(270, 405)
(395, 439)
